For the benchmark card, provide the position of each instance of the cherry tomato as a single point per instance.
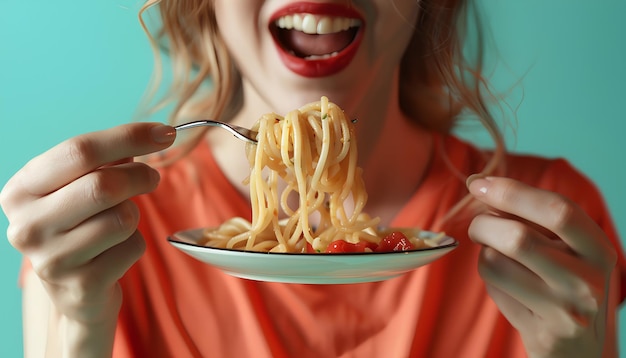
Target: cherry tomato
(395, 241)
(341, 246)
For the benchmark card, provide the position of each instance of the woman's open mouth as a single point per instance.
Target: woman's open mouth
(316, 40)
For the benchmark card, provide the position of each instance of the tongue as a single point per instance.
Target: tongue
(304, 45)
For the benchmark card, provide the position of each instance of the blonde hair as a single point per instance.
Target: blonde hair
(438, 81)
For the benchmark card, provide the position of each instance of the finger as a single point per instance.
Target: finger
(112, 264)
(85, 292)
(121, 161)
(555, 239)
(567, 274)
(91, 238)
(98, 191)
(521, 284)
(77, 156)
(103, 231)
(547, 209)
(513, 279)
(35, 221)
(516, 313)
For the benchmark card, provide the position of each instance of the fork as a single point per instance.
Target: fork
(242, 133)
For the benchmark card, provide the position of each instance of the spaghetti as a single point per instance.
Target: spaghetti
(310, 153)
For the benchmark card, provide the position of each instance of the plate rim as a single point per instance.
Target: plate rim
(453, 243)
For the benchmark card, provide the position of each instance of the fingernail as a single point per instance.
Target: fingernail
(163, 133)
(473, 177)
(478, 186)
(155, 176)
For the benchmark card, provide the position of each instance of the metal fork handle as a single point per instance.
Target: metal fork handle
(242, 133)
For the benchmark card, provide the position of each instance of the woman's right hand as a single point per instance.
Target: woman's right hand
(70, 214)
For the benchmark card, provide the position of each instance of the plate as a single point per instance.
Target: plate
(313, 268)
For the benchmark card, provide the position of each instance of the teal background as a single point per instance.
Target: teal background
(67, 67)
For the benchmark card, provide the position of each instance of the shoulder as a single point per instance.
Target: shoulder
(550, 173)
(553, 174)
(560, 176)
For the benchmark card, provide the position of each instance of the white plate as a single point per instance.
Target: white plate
(318, 268)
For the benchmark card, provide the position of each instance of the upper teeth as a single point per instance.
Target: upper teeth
(312, 24)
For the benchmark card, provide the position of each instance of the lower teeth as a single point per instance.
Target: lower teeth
(321, 57)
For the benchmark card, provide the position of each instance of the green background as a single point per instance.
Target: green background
(67, 67)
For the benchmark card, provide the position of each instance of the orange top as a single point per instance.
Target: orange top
(176, 306)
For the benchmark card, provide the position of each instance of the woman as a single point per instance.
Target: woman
(535, 275)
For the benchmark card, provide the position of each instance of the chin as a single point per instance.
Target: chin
(291, 98)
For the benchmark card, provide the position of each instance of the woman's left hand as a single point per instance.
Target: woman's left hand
(547, 265)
